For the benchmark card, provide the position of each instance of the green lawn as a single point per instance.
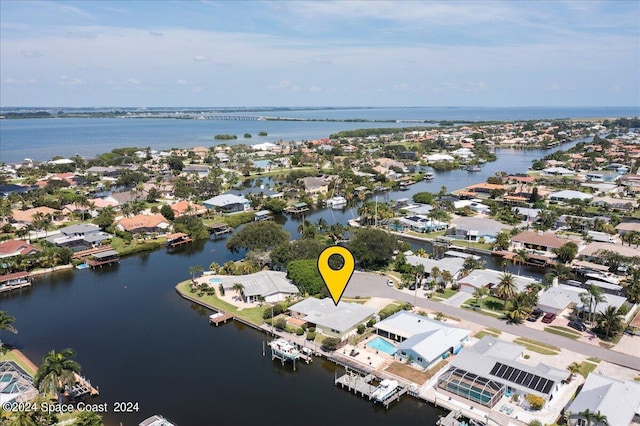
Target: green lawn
(12, 356)
(136, 246)
(493, 332)
(473, 244)
(253, 315)
(563, 331)
(539, 347)
(447, 293)
(586, 368)
(493, 314)
(594, 360)
(489, 302)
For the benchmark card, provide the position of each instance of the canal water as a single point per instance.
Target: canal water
(138, 341)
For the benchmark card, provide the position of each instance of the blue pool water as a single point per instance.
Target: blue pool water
(215, 280)
(382, 345)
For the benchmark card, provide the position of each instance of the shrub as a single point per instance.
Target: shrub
(280, 324)
(536, 402)
(312, 329)
(371, 322)
(361, 328)
(299, 332)
(304, 326)
(331, 343)
(311, 335)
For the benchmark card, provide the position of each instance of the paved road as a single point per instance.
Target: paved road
(371, 285)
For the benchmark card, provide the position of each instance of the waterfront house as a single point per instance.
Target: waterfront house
(490, 278)
(254, 192)
(422, 340)
(273, 286)
(228, 203)
(314, 184)
(618, 400)
(144, 225)
(339, 321)
(16, 385)
(11, 248)
(540, 243)
(419, 223)
(81, 236)
(491, 369)
(477, 228)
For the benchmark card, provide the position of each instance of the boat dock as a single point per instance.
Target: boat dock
(284, 350)
(14, 281)
(82, 387)
(88, 252)
(298, 208)
(177, 239)
(104, 258)
(364, 386)
(220, 229)
(220, 318)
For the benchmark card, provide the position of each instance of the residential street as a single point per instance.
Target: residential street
(373, 285)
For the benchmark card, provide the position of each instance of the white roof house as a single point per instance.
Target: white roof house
(272, 285)
(569, 194)
(425, 340)
(490, 278)
(266, 146)
(619, 401)
(557, 299)
(439, 157)
(336, 321)
(558, 171)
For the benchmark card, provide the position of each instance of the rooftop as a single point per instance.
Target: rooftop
(326, 314)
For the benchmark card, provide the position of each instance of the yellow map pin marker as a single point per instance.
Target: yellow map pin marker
(336, 280)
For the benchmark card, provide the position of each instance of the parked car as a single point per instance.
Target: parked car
(578, 325)
(535, 315)
(548, 318)
(390, 283)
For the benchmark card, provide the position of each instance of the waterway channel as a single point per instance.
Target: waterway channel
(139, 341)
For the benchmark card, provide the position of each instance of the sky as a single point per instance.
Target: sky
(185, 53)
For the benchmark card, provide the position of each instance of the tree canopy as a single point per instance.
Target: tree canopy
(305, 275)
(258, 236)
(304, 248)
(372, 247)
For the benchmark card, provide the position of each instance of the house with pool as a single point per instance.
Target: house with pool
(492, 369)
(421, 340)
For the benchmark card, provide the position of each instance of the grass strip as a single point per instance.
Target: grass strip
(538, 347)
(562, 332)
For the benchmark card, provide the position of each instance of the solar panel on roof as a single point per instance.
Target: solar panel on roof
(521, 377)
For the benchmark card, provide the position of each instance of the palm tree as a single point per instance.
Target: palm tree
(239, 288)
(506, 288)
(574, 368)
(610, 319)
(261, 300)
(6, 323)
(56, 371)
(596, 417)
(519, 309)
(435, 274)
(594, 296)
(480, 293)
(520, 257)
(195, 270)
(21, 418)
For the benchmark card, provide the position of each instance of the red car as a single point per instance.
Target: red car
(548, 318)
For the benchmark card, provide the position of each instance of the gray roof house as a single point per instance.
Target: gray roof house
(491, 369)
(228, 203)
(272, 285)
(423, 340)
(474, 228)
(617, 400)
(557, 299)
(336, 321)
(79, 237)
(454, 265)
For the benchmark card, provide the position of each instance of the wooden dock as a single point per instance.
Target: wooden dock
(220, 319)
(177, 239)
(103, 258)
(88, 252)
(218, 229)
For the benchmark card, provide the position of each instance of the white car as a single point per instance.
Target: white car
(390, 283)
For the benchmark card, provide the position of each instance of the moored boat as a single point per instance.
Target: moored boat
(385, 390)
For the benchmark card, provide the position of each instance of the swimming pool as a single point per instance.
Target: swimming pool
(382, 345)
(215, 280)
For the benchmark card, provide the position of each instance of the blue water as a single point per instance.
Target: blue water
(215, 280)
(382, 345)
(41, 139)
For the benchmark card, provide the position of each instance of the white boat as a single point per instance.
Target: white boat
(428, 176)
(608, 278)
(212, 317)
(284, 349)
(337, 202)
(385, 390)
(156, 421)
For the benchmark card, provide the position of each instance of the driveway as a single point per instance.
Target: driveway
(373, 285)
(457, 299)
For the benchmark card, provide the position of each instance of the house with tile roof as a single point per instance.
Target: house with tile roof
(144, 224)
